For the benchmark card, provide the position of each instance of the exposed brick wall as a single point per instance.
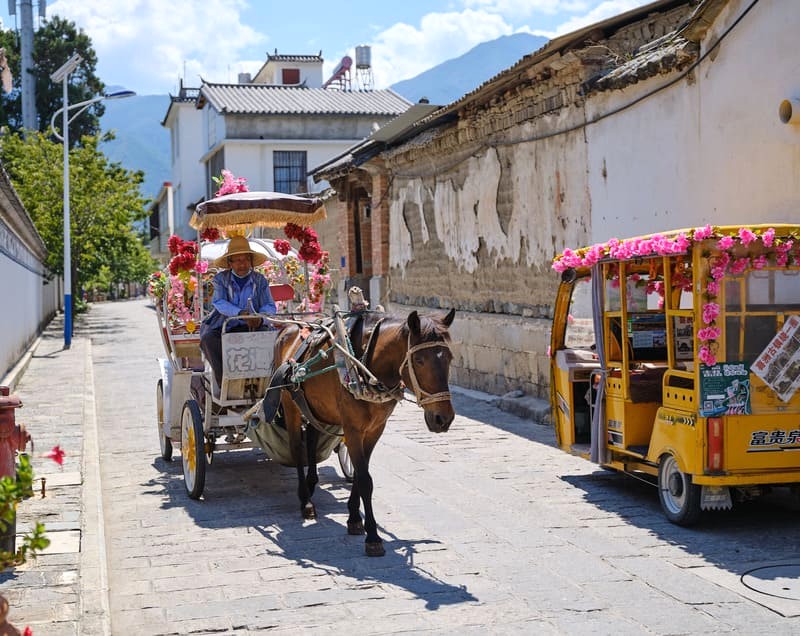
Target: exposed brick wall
(493, 155)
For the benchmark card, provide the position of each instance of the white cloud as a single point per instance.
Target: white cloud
(403, 51)
(525, 8)
(604, 10)
(153, 41)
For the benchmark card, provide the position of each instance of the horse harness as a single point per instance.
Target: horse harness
(354, 373)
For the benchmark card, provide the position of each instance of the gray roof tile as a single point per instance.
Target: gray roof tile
(259, 99)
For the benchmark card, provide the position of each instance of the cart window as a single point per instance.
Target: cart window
(755, 304)
(580, 328)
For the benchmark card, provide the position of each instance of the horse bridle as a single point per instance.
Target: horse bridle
(423, 397)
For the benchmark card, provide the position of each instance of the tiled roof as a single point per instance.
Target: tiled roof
(294, 58)
(259, 99)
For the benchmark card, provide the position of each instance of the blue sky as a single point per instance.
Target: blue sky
(148, 45)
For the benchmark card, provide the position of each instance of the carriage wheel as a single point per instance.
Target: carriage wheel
(680, 498)
(164, 441)
(344, 461)
(193, 449)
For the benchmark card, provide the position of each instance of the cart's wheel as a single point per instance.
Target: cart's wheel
(164, 441)
(193, 449)
(344, 461)
(680, 498)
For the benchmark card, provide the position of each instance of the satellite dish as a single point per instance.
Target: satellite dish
(5, 73)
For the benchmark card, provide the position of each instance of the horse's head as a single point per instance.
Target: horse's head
(427, 368)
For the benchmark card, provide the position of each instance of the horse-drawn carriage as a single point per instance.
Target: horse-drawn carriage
(201, 416)
(316, 384)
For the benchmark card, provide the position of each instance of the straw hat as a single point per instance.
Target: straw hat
(239, 245)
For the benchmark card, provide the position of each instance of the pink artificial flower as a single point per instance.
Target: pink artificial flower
(717, 272)
(702, 233)
(56, 454)
(570, 258)
(725, 243)
(768, 237)
(201, 267)
(784, 247)
(709, 333)
(781, 260)
(746, 236)
(710, 312)
(760, 262)
(681, 243)
(740, 265)
(706, 356)
(712, 288)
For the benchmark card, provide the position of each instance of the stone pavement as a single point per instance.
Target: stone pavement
(65, 590)
(488, 528)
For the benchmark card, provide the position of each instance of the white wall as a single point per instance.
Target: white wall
(252, 159)
(706, 150)
(28, 304)
(188, 174)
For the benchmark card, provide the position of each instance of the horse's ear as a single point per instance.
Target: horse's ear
(413, 323)
(448, 319)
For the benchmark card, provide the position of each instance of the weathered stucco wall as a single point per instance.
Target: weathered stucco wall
(709, 149)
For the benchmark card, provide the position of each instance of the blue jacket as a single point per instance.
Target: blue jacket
(228, 300)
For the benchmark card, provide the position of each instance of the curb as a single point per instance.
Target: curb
(95, 615)
(12, 378)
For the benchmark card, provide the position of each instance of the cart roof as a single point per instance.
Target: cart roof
(257, 209)
(670, 242)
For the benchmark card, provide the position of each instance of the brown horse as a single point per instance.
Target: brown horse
(413, 352)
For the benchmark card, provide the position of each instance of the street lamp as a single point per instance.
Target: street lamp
(62, 75)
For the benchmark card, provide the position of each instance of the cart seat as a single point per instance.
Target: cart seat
(246, 364)
(281, 293)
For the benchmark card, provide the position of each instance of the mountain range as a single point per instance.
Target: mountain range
(142, 143)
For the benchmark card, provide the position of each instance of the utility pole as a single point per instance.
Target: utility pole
(29, 116)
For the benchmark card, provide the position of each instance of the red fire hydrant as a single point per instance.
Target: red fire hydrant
(13, 438)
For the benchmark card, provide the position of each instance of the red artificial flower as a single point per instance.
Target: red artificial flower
(310, 235)
(174, 244)
(293, 231)
(210, 234)
(28, 632)
(310, 252)
(281, 246)
(56, 454)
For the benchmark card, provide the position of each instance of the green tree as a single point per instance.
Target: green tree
(105, 205)
(53, 44)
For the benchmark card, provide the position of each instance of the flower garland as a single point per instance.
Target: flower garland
(733, 258)
(179, 286)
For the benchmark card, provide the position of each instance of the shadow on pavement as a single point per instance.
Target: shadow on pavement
(244, 488)
(751, 533)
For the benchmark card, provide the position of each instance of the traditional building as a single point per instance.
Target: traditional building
(269, 130)
(663, 117)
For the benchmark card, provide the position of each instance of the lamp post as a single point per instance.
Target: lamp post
(62, 75)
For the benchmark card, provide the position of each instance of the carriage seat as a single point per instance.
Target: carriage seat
(282, 293)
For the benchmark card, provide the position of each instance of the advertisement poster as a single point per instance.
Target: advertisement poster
(684, 340)
(779, 364)
(725, 389)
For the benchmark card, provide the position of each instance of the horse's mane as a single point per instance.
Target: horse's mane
(431, 327)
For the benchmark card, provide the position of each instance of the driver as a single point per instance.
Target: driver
(238, 291)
